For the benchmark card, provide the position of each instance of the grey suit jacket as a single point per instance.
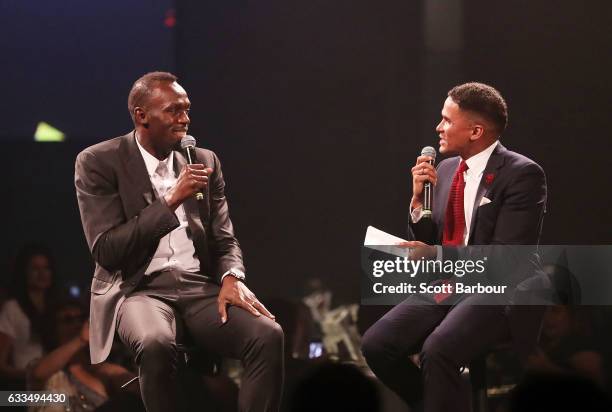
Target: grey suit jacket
(123, 220)
(516, 187)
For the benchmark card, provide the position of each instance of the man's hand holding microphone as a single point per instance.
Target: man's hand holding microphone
(424, 177)
(192, 179)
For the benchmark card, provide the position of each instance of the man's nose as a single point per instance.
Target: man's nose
(184, 118)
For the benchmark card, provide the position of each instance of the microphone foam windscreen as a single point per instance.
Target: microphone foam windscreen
(190, 141)
(429, 151)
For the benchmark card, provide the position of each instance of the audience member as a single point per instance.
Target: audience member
(66, 367)
(23, 314)
(568, 345)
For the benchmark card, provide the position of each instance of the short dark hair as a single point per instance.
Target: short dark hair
(143, 87)
(19, 285)
(484, 100)
(49, 338)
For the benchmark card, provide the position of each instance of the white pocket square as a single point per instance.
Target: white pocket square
(484, 201)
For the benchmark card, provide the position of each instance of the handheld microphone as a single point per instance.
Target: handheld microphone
(188, 144)
(427, 189)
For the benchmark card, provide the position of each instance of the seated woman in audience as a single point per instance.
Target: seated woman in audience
(23, 314)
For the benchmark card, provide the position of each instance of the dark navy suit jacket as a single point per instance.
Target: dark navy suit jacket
(516, 188)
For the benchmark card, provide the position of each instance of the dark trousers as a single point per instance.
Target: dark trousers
(147, 324)
(446, 337)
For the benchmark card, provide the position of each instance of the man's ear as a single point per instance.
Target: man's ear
(140, 117)
(478, 131)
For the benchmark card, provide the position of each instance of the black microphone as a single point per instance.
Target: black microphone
(188, 144)
(427, 189)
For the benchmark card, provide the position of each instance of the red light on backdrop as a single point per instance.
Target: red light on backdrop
(170, 19)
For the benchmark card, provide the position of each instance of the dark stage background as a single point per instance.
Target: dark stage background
(317, 110)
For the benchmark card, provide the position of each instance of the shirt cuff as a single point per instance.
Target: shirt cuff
(416, 214)
(438, 252)
(237, 273)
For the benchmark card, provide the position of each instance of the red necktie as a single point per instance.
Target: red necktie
(454, 223)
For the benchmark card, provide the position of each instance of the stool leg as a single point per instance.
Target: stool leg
(478, 379)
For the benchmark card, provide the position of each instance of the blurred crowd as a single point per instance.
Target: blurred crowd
(44, 334)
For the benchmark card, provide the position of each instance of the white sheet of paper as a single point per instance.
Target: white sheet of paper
(385, 242)
(377, 237)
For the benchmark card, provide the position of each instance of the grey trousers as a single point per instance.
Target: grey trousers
(147, 324)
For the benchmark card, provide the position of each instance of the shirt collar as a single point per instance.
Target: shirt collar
(151, 161)
(478, 162)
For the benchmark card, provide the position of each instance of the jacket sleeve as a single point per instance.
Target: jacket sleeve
(425, 230)
(522, 211)
(225, 249)
(116, 242)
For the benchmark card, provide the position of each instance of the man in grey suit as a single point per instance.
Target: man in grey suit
(488, 201)
(166, 262)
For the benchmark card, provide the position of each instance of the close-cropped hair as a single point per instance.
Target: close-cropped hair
(483, 100)
(143, 88)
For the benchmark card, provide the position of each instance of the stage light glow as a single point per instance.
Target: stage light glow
(47, 133)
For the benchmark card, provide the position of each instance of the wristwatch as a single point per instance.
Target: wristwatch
(237, 273)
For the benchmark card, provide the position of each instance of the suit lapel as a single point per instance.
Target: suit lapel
(136, 173)
(495, 162)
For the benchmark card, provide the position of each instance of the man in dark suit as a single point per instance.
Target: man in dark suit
(485, 199)
(166, 262)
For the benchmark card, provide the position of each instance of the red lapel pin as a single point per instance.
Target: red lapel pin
(489, 178)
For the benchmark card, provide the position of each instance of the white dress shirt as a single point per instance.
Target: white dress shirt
(472, 176)
(175, 250)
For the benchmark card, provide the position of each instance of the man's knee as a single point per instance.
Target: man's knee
(435, 348)
(157, 348)
(270, 334)
(373, 342)
(267, 339)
